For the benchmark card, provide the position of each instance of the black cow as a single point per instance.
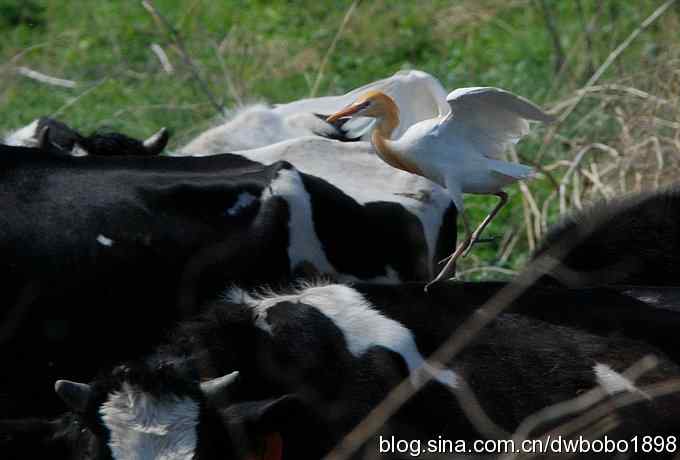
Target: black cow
(105, 252)
(287, 375)
(56, 137)
(629, 241)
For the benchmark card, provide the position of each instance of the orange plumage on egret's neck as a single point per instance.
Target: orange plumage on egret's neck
(378, 105)
(461, 150)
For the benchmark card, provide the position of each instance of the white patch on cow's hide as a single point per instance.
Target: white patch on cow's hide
(143, 427)
(104, 241)
(354, 168)
(244, 200)
(613, 382)
(23, 137)
(362, 325)
(304, 244)
(79, 151)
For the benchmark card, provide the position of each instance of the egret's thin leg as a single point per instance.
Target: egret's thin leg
(478, 231)
(450, 267)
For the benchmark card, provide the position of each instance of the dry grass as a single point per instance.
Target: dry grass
(630, 143)
(618, 133)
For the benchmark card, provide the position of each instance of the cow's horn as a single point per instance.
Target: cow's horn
(215, 387)
(156, 143)
(43, 137)
(74, 394)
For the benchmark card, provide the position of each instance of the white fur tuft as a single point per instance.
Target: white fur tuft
(143, 427)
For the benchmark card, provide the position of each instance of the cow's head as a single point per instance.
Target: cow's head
(157, 410)
(56, 137)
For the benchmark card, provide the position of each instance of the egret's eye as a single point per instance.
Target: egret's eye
(363, 105)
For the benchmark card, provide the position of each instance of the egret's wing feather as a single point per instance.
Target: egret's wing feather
(488, 119)
(418, 95)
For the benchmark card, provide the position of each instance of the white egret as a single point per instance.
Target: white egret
(460, 148)
(418, 94)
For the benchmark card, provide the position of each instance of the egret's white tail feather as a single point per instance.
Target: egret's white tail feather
(516, 170)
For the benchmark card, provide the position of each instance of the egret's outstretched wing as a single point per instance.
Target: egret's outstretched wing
(488, 119)
(418, 95)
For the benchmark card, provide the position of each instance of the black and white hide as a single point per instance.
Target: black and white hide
(106, 252)
(286, 376)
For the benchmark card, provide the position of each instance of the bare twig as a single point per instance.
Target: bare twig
(74, 100)
(179, 42)
(602, 69)
(449, 349)
(475, 413)
(47, 79)
(617, 52)
(227, 75)
(573, 406)
(587, 32)
(163, 58)
(331, 48)
(554, 35)
(503, 271)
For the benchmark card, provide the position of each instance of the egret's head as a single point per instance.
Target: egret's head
(373, 104)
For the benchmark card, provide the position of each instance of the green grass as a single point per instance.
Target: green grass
(271, 50)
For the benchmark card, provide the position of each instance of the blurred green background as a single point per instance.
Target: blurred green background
(251, 51)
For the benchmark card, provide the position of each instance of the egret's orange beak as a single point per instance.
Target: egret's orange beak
(346, 112)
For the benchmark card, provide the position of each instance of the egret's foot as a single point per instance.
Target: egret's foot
(435, 281)
(438, 280)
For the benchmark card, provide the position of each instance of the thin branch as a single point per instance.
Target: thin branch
(179, 42)
(554, 35)
(331, 48)
(617, 52)
(501, 270)
(587, 32)
(74, 100)
(601, 70)
(47, 79)
(462, 336)
(163, 58)
(579, 404)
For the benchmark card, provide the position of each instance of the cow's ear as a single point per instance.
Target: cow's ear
(266, 415)
(75, 395)
(272, 448)
(263, 424)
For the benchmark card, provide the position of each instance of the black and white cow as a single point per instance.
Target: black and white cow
(283, 376)
(629, 241)
(56, 137)
(110, 250)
